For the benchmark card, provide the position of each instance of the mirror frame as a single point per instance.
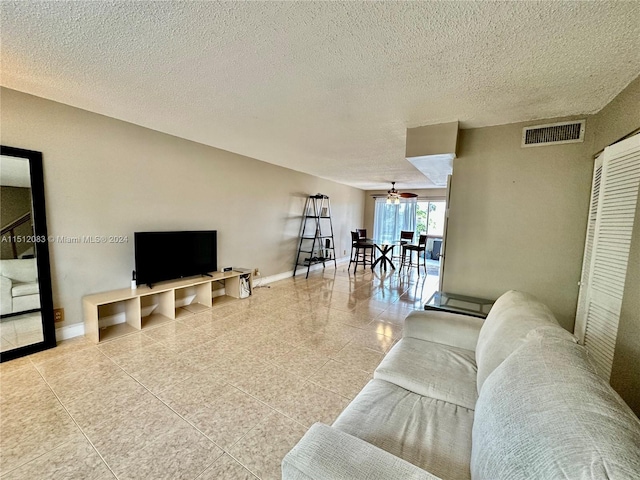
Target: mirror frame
(42, 254)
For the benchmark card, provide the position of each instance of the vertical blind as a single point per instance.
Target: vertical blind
(390, 219)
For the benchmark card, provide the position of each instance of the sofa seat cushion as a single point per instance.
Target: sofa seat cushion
(545, 413)
(22, 289)
(432, 369)
(429, 433)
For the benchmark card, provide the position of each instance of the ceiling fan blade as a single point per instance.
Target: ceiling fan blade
(408, 195)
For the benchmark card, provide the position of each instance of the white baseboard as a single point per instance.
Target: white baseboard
(77, 329)
(70, 331)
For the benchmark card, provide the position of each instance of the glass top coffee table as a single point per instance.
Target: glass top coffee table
(454, 303)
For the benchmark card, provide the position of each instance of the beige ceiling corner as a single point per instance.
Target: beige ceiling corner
(431, 149)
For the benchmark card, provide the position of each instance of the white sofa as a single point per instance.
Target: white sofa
(19, 288)
(512, 397)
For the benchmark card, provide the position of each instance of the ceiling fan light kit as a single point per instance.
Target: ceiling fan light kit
(394, 196)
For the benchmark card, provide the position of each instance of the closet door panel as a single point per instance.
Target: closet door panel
(617, 194)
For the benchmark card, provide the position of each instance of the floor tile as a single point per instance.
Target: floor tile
(227, 417)
(107, 403)
(126, 345)
(392, 330)
(188, 396)
(73, 459)
(309, 403)
(373, 340)
(13, 365)
(340, 378)
(156, 376)
(19, 383)
(63, 347)
(270, 385)
(28, 436)
(269, 348)
(359, 357)
(76, 385)
(262, 449)
(73, 363)
(226, 468)
(181, 453)
(120, 440)
(301, 362)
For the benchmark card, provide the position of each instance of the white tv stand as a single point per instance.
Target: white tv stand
(146, 307)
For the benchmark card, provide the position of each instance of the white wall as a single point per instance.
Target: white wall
(108, 177)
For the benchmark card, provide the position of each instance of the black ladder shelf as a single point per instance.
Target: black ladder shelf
(316, 234)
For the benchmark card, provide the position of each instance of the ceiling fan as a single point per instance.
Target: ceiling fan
(394, 196)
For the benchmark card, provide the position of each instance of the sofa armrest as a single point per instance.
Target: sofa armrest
(447, 328)
(6, 302)
(325, 452)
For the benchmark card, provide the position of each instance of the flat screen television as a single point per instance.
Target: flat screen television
(163, 256)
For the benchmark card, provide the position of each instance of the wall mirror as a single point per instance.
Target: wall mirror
(26, 304)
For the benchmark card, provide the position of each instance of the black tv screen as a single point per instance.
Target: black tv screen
(163, 256)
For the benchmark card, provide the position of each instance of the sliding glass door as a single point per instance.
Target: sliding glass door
(391, 218)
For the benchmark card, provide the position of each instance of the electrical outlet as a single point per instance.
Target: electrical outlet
(58, 315)
(344, 252)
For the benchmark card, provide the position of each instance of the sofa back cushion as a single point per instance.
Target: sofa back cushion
(19, 270)
(546, 413)
(512, 316)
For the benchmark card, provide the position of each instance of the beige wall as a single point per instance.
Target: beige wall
(518, 216)
(616, 120)
(619, 118)
(108, 177)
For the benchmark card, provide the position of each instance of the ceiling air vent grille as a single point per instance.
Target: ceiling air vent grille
(553, 134)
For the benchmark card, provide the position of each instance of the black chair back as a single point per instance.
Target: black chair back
(406, 236)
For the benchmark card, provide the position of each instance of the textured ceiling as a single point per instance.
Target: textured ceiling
(326, 88)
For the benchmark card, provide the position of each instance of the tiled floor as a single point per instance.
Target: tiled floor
(218, 395)
(20, 330)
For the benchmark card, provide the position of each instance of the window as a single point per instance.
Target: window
(430, 217)
(390, 219)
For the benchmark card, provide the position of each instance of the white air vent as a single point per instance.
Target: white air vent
(553, 134)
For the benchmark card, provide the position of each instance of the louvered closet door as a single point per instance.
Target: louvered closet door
(581, 312)
(615, 192)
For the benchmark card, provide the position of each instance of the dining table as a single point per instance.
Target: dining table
(385, 248)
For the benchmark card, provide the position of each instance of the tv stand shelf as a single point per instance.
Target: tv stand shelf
(110, 315)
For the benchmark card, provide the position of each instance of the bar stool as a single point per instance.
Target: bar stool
(360, 251)
(420, 248)
(406, 236)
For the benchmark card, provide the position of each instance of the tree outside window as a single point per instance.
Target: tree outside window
(430, 217)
